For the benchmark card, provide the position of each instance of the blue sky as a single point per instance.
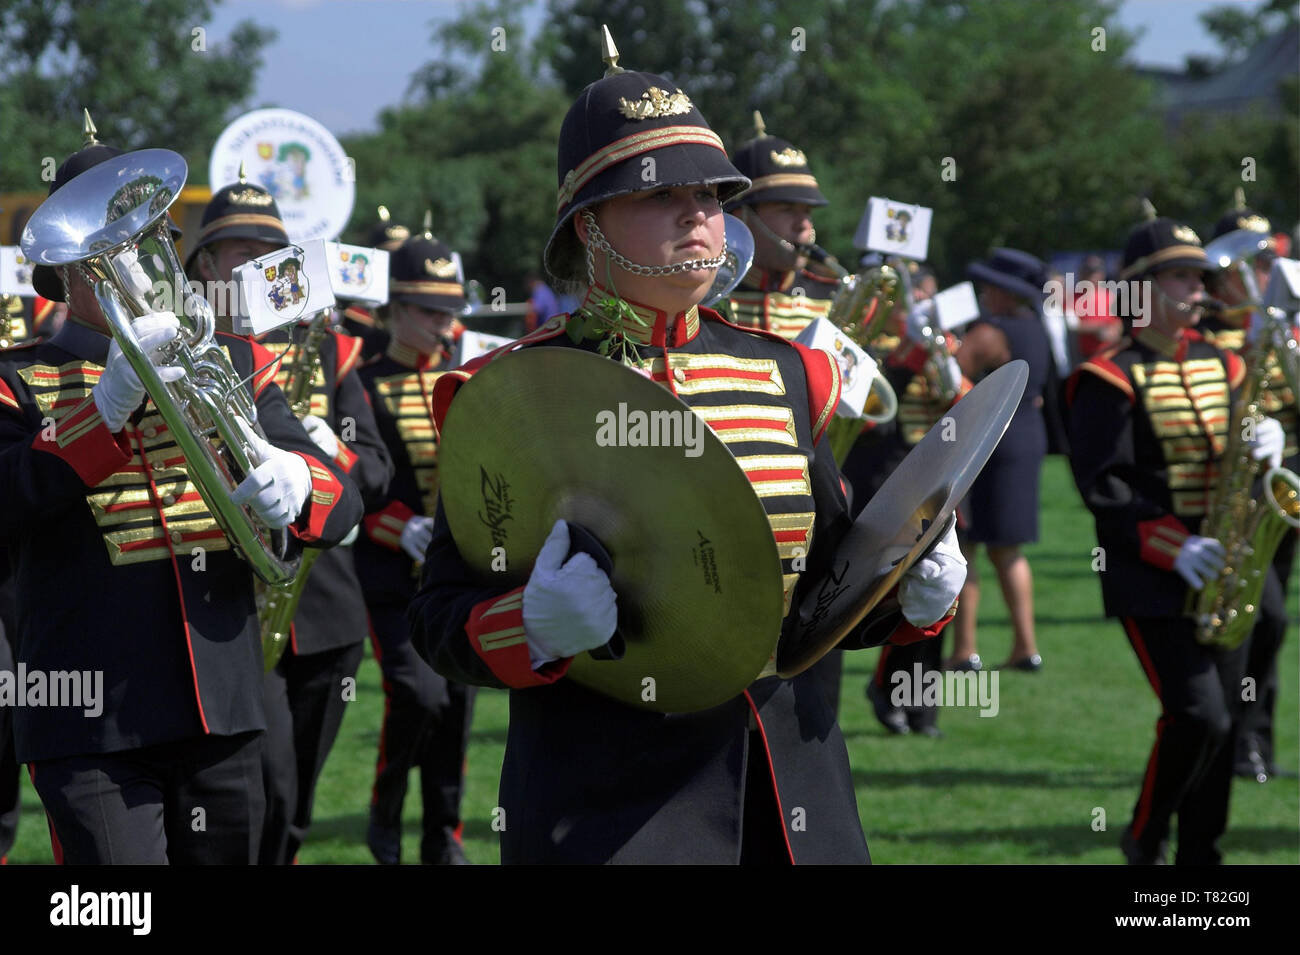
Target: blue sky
(340, 61)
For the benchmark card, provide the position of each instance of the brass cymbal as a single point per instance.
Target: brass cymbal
(904, 518)
(549, 432)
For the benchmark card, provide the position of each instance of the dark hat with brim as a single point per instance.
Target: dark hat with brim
(1017, 272)
(778, 172)
(613, 128)
(45, 279)
(1242, 218)
(386, 234)
(1159, 244)
(242, 210)
(422, 272)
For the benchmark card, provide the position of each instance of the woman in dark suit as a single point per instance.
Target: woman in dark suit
(1002, 507)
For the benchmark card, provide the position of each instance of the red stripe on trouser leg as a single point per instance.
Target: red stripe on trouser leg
(882, 666)
(56, 847)
(1143, 814)
(776, 790)
(382, 761)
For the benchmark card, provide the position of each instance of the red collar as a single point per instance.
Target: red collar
(660, 329)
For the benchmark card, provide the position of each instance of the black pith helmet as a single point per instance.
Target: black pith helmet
(778, 171)
(612, 129)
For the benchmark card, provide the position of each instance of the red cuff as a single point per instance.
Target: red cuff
(325, 493)
(346, 458)
(496, 632)
(910, 633)
(82, 439)
(1161, 540)
(384, 527)
(7, 397)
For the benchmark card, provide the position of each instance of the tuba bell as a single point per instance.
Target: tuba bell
(109, 225)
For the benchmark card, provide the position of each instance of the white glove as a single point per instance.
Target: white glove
(416, 534)
(119, 392)
(277, 488)
(568, 608)
(1199, 560)
(318, 430)
(929, 588)
(1269, 443)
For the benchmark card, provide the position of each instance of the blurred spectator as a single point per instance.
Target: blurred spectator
(1098, 325)
(542, 303)
(1059, 323)
(1003, 503)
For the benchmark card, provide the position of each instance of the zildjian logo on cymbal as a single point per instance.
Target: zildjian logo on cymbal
(496, 506)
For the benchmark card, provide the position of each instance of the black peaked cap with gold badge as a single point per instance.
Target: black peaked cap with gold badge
(386, 234)
(612, 129)
(44, 278)
(241, 210)
(421, 271)
(778, 170)
(1161, 243)
(1241, 216)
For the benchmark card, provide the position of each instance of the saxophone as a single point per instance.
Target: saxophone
(1249, 528)
(277, 604)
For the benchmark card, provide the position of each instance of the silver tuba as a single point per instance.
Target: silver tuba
(739, 249)
(110, 225)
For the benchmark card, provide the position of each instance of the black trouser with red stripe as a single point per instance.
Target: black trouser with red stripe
(305, 701)
(10, 801)
(194, 801)
(1256, 727)
(426, 724)
(928, 654)
(1189, 771)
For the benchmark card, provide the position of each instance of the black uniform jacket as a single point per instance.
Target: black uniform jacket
(120, 567)
(399, 385)
(587, 779)
(1148, 424)
(331, 613)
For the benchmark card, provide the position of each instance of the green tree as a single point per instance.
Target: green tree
(1238, 29)
(1257, 148)
(1046, 129)
(476, 147)
(147, 77)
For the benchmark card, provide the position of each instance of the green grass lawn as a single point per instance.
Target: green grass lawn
(1023, 786)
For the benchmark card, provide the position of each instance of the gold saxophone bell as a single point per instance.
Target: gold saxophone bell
(109, 225)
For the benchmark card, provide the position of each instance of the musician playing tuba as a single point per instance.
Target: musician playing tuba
(125, 577)
(317, 371)
(1149, 420)
(587, 778)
